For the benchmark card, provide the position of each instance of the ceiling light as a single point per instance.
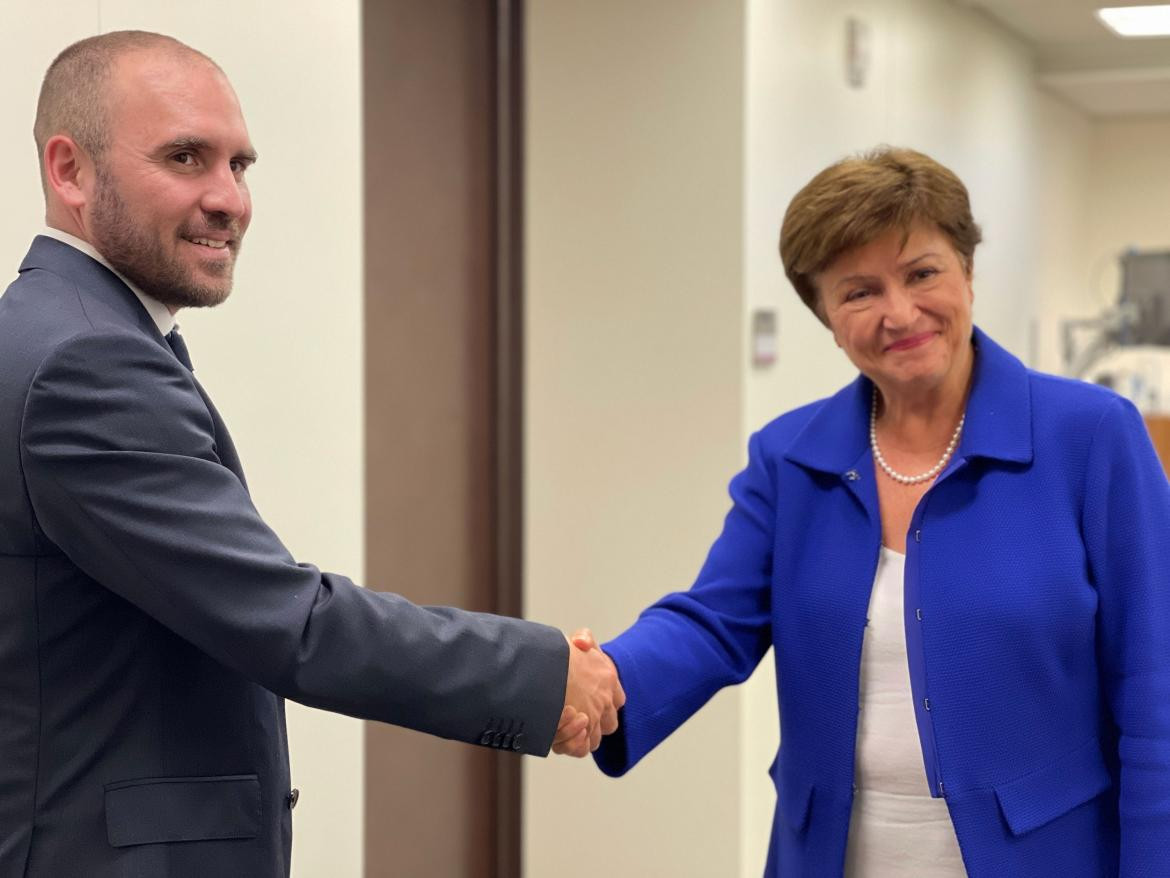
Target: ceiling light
(1137, 21)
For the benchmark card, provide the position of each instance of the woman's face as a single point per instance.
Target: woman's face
(900, 308)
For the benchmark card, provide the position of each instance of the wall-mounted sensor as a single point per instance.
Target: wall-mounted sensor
(763, 338)
(858, 39)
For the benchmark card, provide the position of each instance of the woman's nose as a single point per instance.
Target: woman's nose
(900, 307)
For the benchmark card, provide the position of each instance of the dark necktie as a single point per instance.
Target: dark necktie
(175, 340)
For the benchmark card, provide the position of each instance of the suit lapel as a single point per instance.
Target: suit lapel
(224, 447)
(108, 299)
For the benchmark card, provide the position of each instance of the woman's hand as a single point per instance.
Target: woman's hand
(576, 735)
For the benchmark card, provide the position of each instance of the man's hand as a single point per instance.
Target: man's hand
(593, 697)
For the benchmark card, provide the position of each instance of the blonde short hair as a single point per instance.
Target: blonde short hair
(856, 200)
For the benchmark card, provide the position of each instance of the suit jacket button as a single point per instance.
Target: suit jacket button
(499, 740)
(486, 738)
(516, 741)
(294, 796)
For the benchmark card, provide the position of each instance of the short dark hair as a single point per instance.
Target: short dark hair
(74, 98)
(854, 201)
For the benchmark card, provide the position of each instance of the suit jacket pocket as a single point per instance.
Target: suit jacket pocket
(1050, 792)
(167, 809)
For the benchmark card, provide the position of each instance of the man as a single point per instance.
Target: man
(150, 622)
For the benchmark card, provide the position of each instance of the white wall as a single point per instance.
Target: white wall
(634, 151)
(282, 358)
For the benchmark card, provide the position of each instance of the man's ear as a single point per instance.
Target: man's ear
(68, 171)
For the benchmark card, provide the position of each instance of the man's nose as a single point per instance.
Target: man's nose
(225, 194)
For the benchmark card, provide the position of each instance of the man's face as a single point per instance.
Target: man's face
(170, 205)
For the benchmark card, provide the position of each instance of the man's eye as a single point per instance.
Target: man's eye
(183, 158)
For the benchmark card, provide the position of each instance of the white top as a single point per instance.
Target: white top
(159, 313)
(897, 829)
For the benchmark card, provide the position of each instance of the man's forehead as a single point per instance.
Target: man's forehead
(176, 95)
(161, 63)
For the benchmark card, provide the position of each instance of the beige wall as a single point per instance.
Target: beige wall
(1124, 203)
(282, 357)
(1129, 198)
(1064, 169)
(634, 152)
(1109, 190)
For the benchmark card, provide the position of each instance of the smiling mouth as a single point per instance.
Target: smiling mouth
(913, 341)
(208, 242)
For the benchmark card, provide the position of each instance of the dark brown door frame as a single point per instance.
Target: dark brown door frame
(443, 369)
(509, 79)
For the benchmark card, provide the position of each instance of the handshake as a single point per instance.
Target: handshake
(593, 696)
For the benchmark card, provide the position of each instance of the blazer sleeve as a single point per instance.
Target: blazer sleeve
(1126, 522)
(689, 645)
(119, 457)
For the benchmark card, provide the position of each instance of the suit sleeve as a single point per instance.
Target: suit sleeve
(119, 457)
(1126, 521)
(689, 645)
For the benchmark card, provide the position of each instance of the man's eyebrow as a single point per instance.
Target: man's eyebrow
(199, 144)
(191, 142)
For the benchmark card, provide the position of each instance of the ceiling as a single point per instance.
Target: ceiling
(1082, 60)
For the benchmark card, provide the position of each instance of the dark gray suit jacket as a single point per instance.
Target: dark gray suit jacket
(151, 623)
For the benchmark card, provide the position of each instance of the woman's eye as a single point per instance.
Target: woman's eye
(924, 273)
(854, 295)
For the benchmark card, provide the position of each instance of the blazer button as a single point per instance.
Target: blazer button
(516, 741)
(294, 796)
(486, 738)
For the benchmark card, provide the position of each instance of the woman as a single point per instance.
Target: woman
(1000, 534)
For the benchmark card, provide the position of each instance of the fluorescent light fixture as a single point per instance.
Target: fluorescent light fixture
(1137, 21)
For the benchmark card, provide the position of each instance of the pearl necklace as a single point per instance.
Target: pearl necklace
(897, 476)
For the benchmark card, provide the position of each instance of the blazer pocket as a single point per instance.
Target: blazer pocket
(166, 809)
(1040, 797)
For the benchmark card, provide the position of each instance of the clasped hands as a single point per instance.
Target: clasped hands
(593, 697)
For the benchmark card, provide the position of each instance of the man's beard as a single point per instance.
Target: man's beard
(139, 255)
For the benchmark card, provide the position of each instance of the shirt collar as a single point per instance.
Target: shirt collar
(159, 313)
(998, 426)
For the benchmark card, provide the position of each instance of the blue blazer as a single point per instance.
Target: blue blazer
(151, 623)
(1037, 610)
